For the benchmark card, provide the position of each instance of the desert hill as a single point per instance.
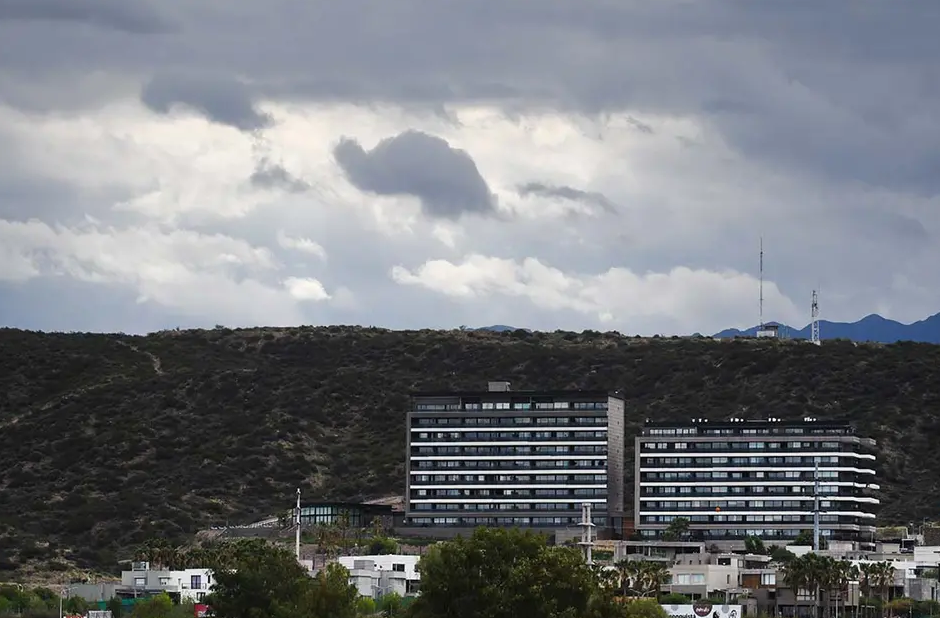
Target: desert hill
(106, 440)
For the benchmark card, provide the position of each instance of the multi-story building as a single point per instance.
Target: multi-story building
(739, 478)
(378, 576)
(514, 458)
(183, 586)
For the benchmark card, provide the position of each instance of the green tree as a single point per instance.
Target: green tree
(116, 607)
(806, 538)
(266, 581)
(899, 607)
(159, 606)
(343, 524)
(781, 555)
(754, 545)
(642, 577)
(505, 573)
(391, 605)
(676, 529)
(643, 608)
(331, 595)
(75, 605)
(382, 545)
(17, 599)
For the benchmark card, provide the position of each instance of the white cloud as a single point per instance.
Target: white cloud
(689, 209)
(207, 275)
(691, 299)
(306, 288)
(303, 245)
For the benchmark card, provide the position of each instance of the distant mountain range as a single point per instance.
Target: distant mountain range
(497, 328)
(870, 328)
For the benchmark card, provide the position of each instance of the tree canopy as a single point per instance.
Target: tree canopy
(506, 573)
(268, 582)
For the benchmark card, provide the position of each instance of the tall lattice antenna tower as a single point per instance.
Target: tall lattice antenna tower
(761, 327)
(814, 337)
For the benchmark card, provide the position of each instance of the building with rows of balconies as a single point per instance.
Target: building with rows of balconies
(739, 478)
(514, 458)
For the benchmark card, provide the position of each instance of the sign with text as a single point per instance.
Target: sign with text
(703, 610)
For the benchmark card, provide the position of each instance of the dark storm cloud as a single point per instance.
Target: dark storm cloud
(135, 17)
(445, 179)
(564, 192)
(268, 175)
(221, 100)
(848, 92)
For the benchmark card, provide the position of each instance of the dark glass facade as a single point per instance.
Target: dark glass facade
(332, 513)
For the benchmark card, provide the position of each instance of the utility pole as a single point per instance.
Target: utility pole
(65, 591)
(297, 524)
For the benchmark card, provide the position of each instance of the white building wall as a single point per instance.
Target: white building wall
(191, 584)
(377, 576)
(927, 554)
(711, 577)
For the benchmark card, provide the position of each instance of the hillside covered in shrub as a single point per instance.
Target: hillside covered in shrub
(107, 440)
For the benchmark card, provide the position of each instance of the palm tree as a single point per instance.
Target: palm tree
(882, 574)
(641, 577)
(847, 572)
(656, 575)
(343, 525)
(607, 579)
(796, 574)
(626, 570)
(327, 541)
(865, 578)
(810, 572)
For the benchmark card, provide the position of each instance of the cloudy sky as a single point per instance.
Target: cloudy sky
(607, 164)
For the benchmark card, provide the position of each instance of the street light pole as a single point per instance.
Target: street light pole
(65, 591)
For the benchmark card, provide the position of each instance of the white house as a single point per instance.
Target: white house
(190, 584)
(377, 576)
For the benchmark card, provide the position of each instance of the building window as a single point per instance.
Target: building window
(164, 581)
(688, 579)
(195, 582)
(398, 566)
(140, 581)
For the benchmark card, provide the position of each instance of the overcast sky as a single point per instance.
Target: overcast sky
(604, 164)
